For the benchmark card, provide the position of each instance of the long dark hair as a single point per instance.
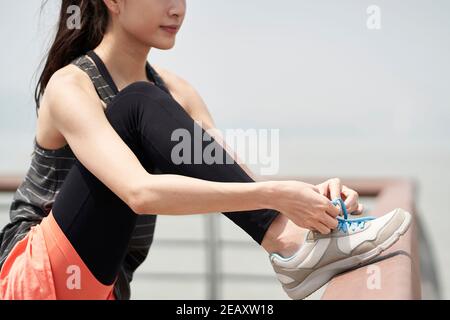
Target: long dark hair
(71, 43)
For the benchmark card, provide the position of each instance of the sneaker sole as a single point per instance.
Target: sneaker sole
(321, 276)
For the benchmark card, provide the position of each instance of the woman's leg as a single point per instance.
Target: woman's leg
(96, 221)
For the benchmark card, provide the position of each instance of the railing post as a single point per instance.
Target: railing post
(213, 256)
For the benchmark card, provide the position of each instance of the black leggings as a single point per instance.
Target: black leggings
(97, 222)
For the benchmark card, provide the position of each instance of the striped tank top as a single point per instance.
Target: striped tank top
(35, 196)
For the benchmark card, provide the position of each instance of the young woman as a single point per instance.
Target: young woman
(82, 220)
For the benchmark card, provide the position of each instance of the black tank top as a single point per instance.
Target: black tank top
(36, 194)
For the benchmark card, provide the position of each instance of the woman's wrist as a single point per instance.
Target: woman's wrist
(269, 194)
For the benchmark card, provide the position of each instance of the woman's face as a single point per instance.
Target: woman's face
(150, 21)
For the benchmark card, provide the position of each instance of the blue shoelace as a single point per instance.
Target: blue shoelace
(344, 223)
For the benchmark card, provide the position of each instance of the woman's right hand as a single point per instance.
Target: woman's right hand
(305, 206)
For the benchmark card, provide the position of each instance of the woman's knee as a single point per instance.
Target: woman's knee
(138, 87)
(135, 94)
(129, 104)
(132, 108)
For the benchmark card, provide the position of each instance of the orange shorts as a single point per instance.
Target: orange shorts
(45, 265)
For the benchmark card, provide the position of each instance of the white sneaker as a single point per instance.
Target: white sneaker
(354, 242)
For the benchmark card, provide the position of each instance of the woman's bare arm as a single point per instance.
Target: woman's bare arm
(78, 116)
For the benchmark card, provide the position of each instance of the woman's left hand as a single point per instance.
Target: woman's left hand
(333, 188)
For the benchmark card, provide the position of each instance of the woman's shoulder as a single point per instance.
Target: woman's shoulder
(70, 75)
(178, 86)
(72, 78)
(66, 85)
(171, 79)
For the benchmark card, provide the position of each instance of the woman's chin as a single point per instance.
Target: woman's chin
(164, 45)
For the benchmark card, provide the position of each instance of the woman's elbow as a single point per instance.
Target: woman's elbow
(140, 200)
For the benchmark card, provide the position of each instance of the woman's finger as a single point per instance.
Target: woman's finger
(322, 189)
(333, 210)
(329, 222)
(360, 210)
(351, 199)
(322, 228)
(335, 187)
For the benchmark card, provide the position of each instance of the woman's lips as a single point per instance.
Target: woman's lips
(170, 29)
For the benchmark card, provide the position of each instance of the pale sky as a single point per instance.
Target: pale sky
(312, 68)
(309, 68)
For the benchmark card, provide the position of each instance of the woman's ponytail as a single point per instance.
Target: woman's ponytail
(73, 40)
